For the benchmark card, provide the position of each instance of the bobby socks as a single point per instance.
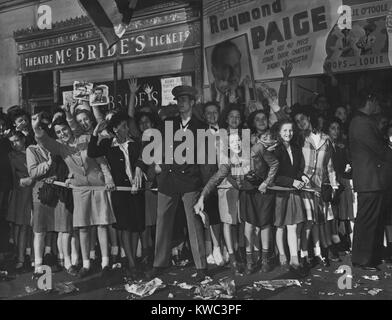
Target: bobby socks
(304, 253)
(67, 262)
(86, 264)
(317, 251)
(122, 252)
(74, 259)
(92, 254)
(114, 251)
(37, 264)
(105, 262)
(48, 250)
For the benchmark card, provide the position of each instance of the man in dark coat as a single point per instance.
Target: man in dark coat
(371, 168)
(179, 182)
(5, 185)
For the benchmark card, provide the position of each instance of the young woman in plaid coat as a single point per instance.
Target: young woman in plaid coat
(317, 151)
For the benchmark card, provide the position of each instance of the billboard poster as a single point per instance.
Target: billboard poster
(276, 31)
(366, 44)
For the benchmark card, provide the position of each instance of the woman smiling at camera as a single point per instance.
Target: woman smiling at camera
(91, 207)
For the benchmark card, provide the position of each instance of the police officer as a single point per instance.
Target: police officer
(180, 182)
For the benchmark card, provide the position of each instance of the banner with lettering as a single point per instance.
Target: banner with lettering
(245, 38)
(366, 44)
(131, 45)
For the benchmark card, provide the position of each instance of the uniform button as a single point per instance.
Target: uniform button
(170, 171)
(183, 171)
(379, 166)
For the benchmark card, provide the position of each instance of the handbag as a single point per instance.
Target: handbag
(48, 196)
(253, 178)
(338, 193)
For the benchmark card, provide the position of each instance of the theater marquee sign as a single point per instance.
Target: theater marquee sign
(132, 45)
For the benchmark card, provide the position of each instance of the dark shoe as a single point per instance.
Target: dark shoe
(95, 264)
(105, 273)
(241, 255)
(387, 255)
(265, 266)
(334, 254)
(72, 270)
(185, 254)
(368, 268)
(154, 273)
(56, 268)
(250, 268)
(299, 271)
(124, 263)
(387, 261)
(321, 261)
(27, 263)
(235, 268)
(303, 261)
(201, 275)
(115, 262)
(131, 274)
(37, 275)
(48, 260)
(20, 267)
(83, 273)
(176, 261)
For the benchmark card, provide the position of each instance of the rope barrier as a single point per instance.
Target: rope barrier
(103, 188)
(96, 188)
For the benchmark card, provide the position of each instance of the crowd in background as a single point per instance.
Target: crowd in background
(291, 204)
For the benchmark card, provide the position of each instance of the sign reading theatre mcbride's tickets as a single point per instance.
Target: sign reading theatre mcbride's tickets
(131, 45)
(273, 32)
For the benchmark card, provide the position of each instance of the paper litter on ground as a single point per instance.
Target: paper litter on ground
(185, 286)
(224, 290)
(145, 289)
(30, 289)
(373, 278)
(374, 291)
(276, 284)
(65, 287)
(118, 288)
(207, 280)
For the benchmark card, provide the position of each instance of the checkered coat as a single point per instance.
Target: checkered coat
(319, 169)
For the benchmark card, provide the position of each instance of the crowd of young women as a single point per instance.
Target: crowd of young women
(292, 199)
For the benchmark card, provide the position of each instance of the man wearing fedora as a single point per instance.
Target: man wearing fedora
(180, 182)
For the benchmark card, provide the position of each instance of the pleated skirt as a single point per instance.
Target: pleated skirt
(256, 208)
(289, 209)
(92, 208)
